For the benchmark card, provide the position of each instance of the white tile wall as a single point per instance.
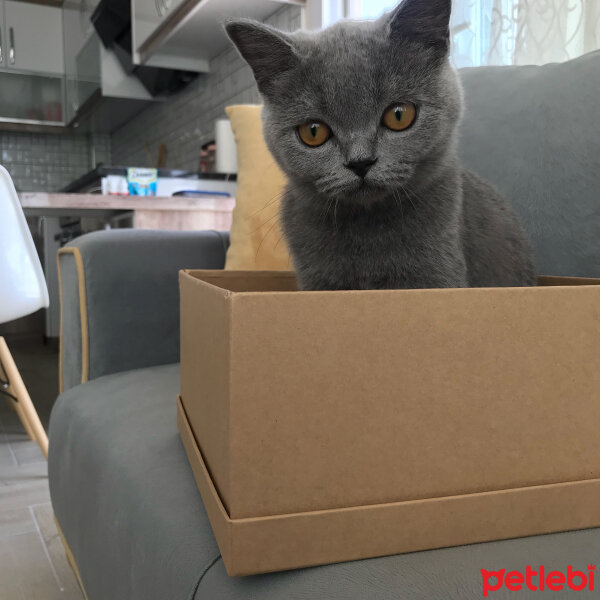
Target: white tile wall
(48, 162)
(99, 149)
(186, 121)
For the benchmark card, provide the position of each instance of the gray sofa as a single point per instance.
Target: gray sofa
(122, 491)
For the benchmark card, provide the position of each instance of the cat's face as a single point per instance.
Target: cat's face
(358, 109)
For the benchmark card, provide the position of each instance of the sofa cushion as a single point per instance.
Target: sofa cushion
(534, 132)
(127, 503)
(260, 184)
(122, 490)
(447, 574)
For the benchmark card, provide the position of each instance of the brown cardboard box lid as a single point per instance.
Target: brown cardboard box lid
(280, 542)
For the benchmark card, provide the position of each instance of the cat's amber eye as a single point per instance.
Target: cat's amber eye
(399, 116)
(314, 133)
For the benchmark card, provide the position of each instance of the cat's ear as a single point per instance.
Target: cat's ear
(423, 21)
(269, 52)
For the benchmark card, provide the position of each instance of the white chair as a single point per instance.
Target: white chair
(22, 291)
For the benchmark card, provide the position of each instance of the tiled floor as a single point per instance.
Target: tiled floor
(33, 565)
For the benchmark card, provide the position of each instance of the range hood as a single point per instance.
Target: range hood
(112, 21)
(103, 96)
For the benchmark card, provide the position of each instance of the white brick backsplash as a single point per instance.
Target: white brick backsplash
(48, 162)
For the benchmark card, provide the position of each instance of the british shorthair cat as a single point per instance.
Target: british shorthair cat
(362, 118)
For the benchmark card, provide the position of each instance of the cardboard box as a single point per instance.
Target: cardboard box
(330, 426)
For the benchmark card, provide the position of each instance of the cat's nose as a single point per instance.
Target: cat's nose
(361, 167)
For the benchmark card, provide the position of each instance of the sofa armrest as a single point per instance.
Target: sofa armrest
(120, 298)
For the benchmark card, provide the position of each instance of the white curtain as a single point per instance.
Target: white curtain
(518, 32)
(502, 32)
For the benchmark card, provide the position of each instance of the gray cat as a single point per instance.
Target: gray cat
(362, 119)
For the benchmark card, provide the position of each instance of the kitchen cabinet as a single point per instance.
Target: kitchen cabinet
(31, 99)
(34, 38)
(187, 34)
(149, 14)
(31, 64)
(3, 44)
(82, 70)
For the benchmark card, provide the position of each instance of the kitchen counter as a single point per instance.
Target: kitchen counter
(149, 212)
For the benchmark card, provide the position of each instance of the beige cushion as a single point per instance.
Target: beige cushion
(256, 238)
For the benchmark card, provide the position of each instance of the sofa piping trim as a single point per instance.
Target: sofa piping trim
(85, 347)
(70, 557)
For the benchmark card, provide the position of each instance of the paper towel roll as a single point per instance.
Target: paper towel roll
(226, 150)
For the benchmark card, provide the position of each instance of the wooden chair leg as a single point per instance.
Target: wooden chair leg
(9, 401)
(23, 404)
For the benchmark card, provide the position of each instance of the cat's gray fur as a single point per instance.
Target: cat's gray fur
(419, 219)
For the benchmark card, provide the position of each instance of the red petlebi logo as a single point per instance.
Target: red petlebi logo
(538, 580)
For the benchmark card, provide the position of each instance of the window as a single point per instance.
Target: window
(494, 32)
(368, 9)
(470, 24)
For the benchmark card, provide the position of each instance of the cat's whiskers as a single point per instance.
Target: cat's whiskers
(332, 203)
(408, 192)
(335, 214)
(328, 183)
(399, 203)
(264, 238)
(267, 221)
(328, 206)
(275, 198)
